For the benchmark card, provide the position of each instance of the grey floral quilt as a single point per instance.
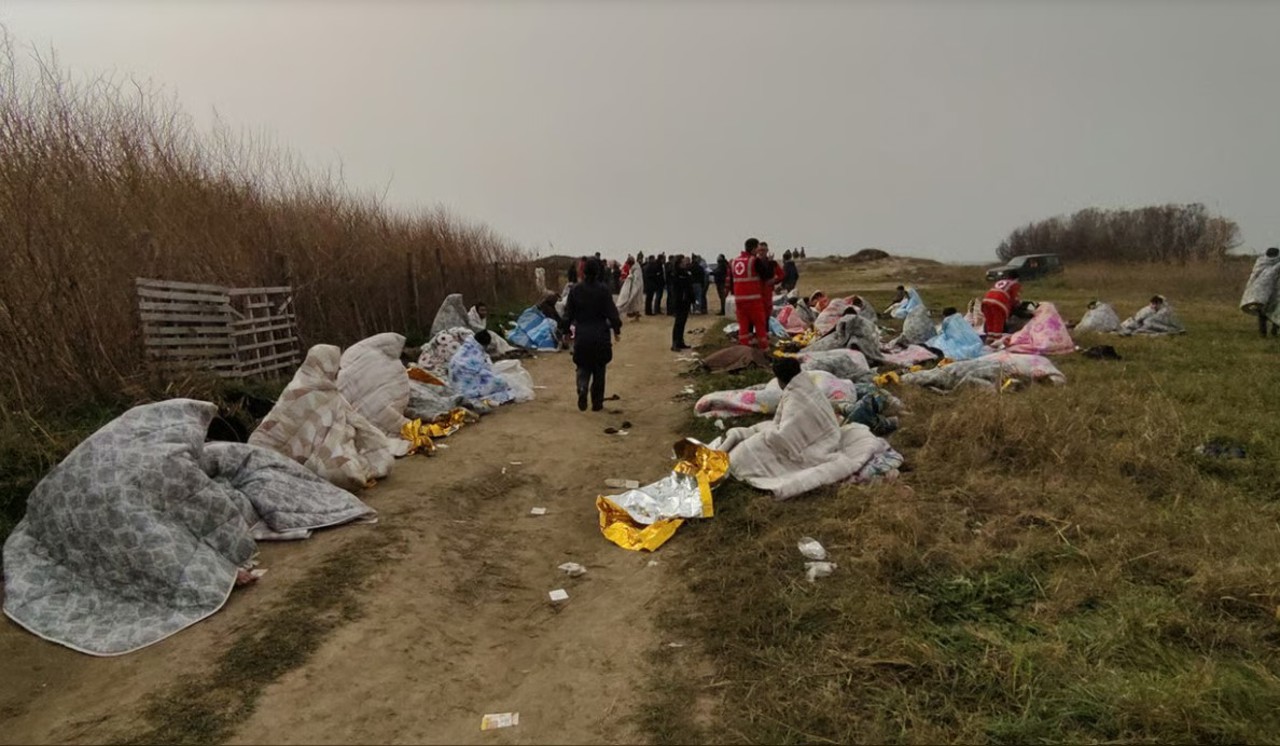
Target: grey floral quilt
(140, 531)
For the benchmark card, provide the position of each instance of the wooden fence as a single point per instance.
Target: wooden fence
(229, 332)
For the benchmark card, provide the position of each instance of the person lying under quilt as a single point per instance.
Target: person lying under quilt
(804, 446)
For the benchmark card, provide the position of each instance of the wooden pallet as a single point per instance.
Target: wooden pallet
(229, 332)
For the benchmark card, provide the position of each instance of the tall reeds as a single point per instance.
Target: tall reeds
(105, 180)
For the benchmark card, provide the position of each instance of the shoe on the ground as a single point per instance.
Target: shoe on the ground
(582, 401)
(597, 406)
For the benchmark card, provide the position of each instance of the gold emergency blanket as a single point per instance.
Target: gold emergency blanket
(421, 434)
(645, 518)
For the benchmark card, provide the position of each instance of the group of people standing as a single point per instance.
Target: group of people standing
(685, 280)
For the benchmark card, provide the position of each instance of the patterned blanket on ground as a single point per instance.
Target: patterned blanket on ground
(764, 398)
(909, 356)
(958, 340)
(141, 530)
(853, 331)
(803, 447)
(988, 372)
(1045, 334)
(314, 424)
(842, 363)
(534, 331)
(372, 378)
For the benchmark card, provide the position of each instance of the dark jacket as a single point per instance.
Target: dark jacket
(720, 272)
(654, 277)
(591, 310)
(791, 275)
(681, 288)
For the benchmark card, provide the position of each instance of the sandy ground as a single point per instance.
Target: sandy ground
(457, 622)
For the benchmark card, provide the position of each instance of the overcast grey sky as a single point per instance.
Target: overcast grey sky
(925, 128)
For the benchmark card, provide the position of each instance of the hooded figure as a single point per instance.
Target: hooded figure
(1262, 292)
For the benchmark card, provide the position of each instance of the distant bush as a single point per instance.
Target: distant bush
(104, 180)
(1168, 233)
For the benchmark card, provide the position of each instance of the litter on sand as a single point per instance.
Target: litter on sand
(815, 570)
(573, 570)
(538, 511)
(499, 720)
(559, 595)
(622, 484)
(516, 463)
(811, 549)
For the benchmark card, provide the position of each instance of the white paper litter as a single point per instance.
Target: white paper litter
(622, 484)
(811, 549)
(815, 570)
(499, 720)
(573, 569)
(442, 445)
(538, 511)
(517, 463)
(652, 563)
(719, 424)
(558, 595)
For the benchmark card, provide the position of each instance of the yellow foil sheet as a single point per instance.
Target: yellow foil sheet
(618, 527)
(707, 465)
(420, 434)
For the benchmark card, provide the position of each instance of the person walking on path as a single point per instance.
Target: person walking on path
(681, 295)
(594, 317)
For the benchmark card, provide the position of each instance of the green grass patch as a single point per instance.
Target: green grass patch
(1058, 565)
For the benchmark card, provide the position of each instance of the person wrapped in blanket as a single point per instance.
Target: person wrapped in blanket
(1155, 318)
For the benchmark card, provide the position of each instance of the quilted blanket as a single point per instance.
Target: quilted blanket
(372, 378)
(1045, 334)
(802, 448)
(314, 424)
(988, 372)
(764, 398)
(141, 530)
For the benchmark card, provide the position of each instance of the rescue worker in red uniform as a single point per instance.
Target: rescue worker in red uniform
(748, 276)
(999, 302)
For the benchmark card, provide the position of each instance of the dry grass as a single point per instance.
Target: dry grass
(1058, 565)
(104, 180)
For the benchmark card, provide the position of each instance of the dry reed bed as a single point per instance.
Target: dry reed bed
(102, 181)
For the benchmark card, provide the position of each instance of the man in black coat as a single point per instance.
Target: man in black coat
(592, 314)
(680, 298)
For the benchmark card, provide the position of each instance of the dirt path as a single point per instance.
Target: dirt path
(455, 623)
